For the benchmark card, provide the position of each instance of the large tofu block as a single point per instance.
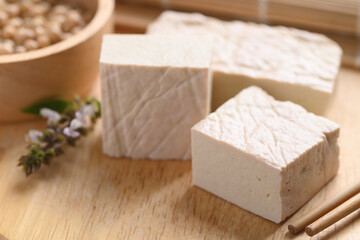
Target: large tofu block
(266, 156)
(154, 89)
(289, 64)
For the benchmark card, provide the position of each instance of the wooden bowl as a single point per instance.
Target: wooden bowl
(61, 70)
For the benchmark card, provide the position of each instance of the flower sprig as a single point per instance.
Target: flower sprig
(62, 128)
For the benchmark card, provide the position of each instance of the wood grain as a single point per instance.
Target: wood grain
(87, 195)
(2, 237)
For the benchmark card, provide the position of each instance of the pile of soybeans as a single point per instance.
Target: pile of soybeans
(27, 25)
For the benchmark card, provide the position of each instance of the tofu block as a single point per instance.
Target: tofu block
(289, 64)
(154, 89)
(266, 156)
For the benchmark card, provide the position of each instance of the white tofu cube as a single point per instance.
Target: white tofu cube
(266, 156)
(288, 63)
(154, 89)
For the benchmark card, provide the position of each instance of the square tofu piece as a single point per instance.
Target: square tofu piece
(288, 63)
(266, 156)
(154, 89)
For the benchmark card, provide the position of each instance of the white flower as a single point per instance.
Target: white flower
(51, 115)
(82, 118)
(88, 109)
(33, 136)
(71, 130)
(83, 114)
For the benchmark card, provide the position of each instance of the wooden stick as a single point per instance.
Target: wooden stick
(313, 215)
(334, 216)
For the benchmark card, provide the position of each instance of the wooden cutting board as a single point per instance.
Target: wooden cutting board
(87, 195)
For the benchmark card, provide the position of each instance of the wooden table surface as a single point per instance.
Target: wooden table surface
(87, 195)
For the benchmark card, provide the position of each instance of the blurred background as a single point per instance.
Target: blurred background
(338, 19)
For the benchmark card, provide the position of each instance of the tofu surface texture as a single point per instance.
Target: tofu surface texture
(266, 156)
(288, 63)
(154, 89)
